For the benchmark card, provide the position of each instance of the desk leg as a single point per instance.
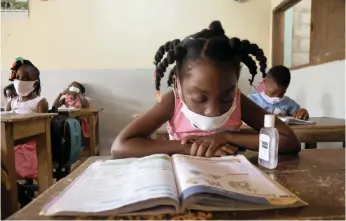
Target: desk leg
(310, 145)
(7, 158)
(44, 158)
(97, 133)
(92, 135)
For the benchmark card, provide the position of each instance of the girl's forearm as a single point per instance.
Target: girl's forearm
(251, 141)
(57, 102)
(140, 147)
(8, 106)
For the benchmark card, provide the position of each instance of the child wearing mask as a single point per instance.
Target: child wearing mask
(273, 98)
(26, 81)
(74, 97)
(205, 107)
(10, 92)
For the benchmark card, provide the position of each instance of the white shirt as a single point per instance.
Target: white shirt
(25, 107)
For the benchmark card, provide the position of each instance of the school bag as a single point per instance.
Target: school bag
(66, 139)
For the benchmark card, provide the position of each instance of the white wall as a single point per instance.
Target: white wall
(320, 89)
(108, 34)
(109, 46)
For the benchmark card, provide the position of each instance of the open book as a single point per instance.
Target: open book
(160, 184)
(295, 121)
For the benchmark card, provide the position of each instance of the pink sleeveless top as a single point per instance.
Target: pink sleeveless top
(179, 126)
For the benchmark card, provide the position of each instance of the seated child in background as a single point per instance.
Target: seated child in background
(10, 92)
(26, 81)
(273, 98)
(74, 97)
(205, 107)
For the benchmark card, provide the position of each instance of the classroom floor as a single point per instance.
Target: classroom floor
(74, 166)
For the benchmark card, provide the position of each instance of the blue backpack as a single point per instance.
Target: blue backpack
(66, 140)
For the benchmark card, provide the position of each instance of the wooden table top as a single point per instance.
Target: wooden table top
(93, 110)
(320, 123)
(317, 176)
(8, 117)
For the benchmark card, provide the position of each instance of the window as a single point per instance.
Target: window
(308, 32)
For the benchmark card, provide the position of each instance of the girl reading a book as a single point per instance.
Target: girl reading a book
(205, 107)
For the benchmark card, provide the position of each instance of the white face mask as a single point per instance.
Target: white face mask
(24, 88)
(271, 100)
(203, 122)
(74, 89)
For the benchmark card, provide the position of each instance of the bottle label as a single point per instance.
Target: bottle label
(264, 147)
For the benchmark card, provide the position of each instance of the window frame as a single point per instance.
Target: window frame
(278, 39)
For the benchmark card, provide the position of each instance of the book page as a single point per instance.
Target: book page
(232, 176)
(112, 184)
(295, 121)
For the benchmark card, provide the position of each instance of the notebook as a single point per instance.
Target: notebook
(295, 121)
(160, 184)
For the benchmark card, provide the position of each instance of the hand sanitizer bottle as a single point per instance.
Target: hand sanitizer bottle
(268, 143)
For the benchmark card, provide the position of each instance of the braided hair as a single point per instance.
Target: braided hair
(20, 62)
(212, 44)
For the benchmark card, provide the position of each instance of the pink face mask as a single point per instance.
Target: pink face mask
(24, 88)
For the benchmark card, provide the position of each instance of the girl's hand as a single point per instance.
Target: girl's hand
(210, 146)
(226, 150)
(73, 94)
(301, 114)
(64, 92)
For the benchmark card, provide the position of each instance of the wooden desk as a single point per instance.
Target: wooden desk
(316, 176)
(15, 127)
(325, 130)
(92, 114)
